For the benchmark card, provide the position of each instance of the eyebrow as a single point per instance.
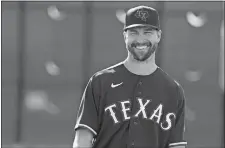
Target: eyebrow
(149, 29)
(133, 30)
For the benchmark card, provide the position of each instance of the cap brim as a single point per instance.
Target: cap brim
(139, 25)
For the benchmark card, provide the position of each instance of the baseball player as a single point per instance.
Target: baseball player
(133, 104)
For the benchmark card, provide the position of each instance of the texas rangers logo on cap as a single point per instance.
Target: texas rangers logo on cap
(143, 15)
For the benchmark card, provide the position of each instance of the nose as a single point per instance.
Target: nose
(141, 41)
(141, 38)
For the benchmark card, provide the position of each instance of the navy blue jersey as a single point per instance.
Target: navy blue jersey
(125, 110)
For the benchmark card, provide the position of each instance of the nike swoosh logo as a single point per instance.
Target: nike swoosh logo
(115, 85)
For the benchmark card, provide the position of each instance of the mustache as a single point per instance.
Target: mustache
(135, 44)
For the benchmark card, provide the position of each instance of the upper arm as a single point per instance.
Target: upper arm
(176, 139)
(83, 138)
(88, 116)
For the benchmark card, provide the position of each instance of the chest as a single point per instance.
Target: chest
(137, 91)
(147, 100)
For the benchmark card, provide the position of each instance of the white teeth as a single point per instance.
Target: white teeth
(141, 47)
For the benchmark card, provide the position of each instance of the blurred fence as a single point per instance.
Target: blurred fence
(50, 49)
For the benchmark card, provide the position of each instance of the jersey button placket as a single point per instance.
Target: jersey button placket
(139, 84)
(135, 122)
(132, 144)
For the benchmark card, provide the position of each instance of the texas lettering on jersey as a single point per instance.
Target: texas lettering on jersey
(155, 116)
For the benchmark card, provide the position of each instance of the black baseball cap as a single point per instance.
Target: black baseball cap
(142, 16)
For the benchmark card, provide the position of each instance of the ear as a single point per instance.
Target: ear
(159, 34)
(125, 35)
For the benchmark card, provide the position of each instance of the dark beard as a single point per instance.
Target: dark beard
(151, 50)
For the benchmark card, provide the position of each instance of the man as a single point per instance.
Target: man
(134, 103)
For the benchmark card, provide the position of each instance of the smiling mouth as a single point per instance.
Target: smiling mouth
(141, 47)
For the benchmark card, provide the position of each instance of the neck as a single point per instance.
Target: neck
(141, 68)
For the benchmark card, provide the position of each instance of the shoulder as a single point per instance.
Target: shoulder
(104, 74)
(171, 84)
(168, 79)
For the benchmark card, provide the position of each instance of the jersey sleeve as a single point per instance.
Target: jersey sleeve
(87, 116)
(177, 133)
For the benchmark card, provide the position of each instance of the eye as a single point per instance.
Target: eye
(133, 33)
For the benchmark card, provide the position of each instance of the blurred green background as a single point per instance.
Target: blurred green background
(50, 49)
